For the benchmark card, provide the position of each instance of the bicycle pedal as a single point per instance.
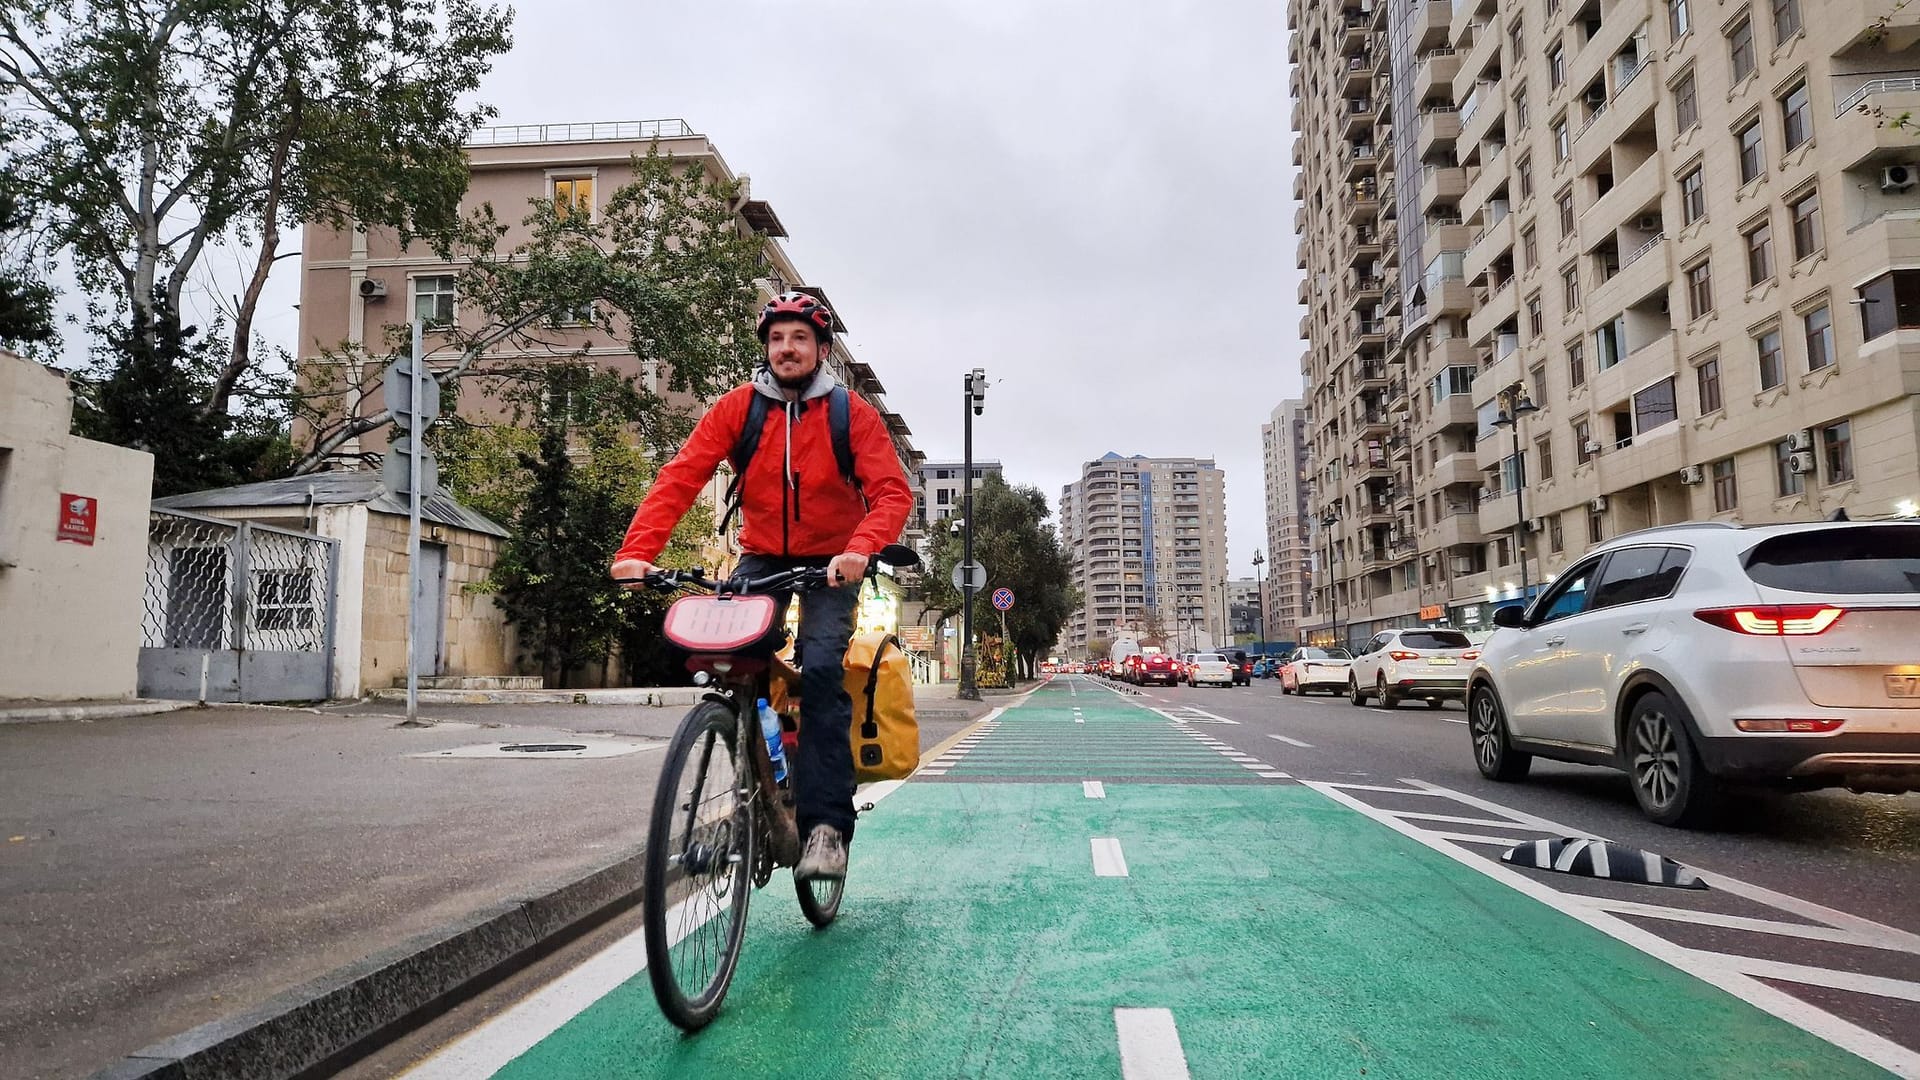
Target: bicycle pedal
(863, 808)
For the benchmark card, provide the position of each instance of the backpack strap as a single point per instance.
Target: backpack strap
(745, 445)
(871, 728)
(840, 422)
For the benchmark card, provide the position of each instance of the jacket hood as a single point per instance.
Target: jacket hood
(767, 386)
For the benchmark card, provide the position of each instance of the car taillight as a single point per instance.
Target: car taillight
(1817, 726)
(1401, 654)
(1773, 620)
(1470, 654)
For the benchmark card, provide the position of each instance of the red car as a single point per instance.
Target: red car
(1157, 668)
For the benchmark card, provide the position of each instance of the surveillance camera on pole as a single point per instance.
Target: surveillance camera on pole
(977, 389)
(975, 401)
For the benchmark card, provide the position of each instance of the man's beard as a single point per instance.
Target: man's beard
(797, 382)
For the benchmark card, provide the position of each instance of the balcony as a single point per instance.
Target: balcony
(1353, 34)
(1460, 526)
(1372, 376)
(1861, 109)
(1441, 186)
(1429, 24)
(1872, 25)
(1362, 202)
(1470, 20)
(1458, 467)
(1359, 113)
(1496, 240)
(1497, 309)
(1439, 127)
(1649, 363)
(1357, 76)
(1364, 290)
(1643, 272)
(1454, 410)
(1358, 161)
(1616, 29)
(1479, 112)
(1482, 185)
(1435, 74)
(1369, 332)
(1638, 194)
(1629, 111)
(1363, 246)
(1476, 59)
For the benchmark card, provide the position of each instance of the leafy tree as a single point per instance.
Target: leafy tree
(665, 266)
(563, 469)
(26, 302)
(1099, 648)
(148, 397)
(142, 133)
(1012, 537)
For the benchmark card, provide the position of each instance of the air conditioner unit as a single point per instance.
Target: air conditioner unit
(1693, 474)
(1462, 564)
(1800, 440)
(1898, 177)
(1430, 559)
(1536, 524)
(1598, 505)
(1801, 462)
(1592, 447)
(372, 288)
(1647, 222)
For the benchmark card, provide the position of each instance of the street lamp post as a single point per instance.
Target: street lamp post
(1259, 603)
(1517, 405)
(1226, 611)
(1327, 522)
(975, 400)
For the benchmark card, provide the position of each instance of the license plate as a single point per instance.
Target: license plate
(1903, 686)
(1442, 661)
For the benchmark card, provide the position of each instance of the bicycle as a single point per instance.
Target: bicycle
(719, 818)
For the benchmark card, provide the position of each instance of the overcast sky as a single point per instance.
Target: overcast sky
(1091, 203)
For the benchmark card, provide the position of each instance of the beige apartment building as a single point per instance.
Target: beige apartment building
(1147, 542)
(1683, 231)
(1287, 585)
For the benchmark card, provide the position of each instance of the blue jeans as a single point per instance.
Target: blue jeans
(823, 770)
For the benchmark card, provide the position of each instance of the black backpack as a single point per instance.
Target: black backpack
(839, 422)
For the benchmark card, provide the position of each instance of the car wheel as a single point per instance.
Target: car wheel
(1284, 690)
(1671, 784)
(1492, 752)
(1354, 693)
(1388, 699)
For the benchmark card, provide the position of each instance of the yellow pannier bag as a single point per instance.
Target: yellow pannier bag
(886, 737)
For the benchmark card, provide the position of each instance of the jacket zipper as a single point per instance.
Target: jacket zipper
(796, 496)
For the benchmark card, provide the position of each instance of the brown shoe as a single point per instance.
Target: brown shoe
(825, 856)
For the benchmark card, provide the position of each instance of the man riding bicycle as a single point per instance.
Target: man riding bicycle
(797, 508)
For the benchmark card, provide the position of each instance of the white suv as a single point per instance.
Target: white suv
(1695, 655)
(1429, 663)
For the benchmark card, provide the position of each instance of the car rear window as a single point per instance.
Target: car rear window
(1325, 654)
(1872, 559)
(1208, 658)
(1435, 639)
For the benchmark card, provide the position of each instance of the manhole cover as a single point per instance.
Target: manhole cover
(543, 747)
(551, 751)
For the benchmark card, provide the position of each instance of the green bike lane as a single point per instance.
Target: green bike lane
(1081, 858)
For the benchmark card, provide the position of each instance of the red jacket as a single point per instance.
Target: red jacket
(819, 514)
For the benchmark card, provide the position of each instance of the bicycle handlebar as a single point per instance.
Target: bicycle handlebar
(801, 578)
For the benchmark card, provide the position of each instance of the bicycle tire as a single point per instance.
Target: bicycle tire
(682, 908)
(820, 899)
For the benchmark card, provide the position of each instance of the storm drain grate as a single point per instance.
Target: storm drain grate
(543, 747)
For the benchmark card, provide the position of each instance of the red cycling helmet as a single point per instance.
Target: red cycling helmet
(798, 306)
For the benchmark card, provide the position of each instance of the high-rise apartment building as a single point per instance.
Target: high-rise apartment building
(1289, 568)
(1675, 228)
(940, 488)
(1147, 542)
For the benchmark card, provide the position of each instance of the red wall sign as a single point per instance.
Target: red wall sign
(78, 515)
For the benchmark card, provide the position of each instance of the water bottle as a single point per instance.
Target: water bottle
(770, 729)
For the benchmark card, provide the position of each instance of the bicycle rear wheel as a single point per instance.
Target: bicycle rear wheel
(699, 865)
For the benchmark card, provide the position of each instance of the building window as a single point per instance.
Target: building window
(580, 314)
(1517, 39)
(1686, 104)
(433, 299)
(943, 497)
(1753, 158)
(1773, 364)
(1706, 376)
(1565, 203)
(1726, 486)
(1760, 253)
(1693, 196)
(1557, 67)
(1520, 106)
(1796, 117)
(1610, 343)
(1556, 535)
(1582, 441)
(1787, 480)
(574, 193)
(1808, 237)
(1526, 178)
(1740, 49)
(1529, 248)
(1678, 21)
(1819, 328)
(1562, 145)
(1576, 365)
(1700, 289)
(1539, 376)
(1655, 407)
(1596, 526)
(1786, 20)
(1836, 445)
(1536, 317)
(1570, 286)
(1543, 448)
(1889, 302)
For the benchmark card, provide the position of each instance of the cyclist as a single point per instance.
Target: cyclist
(796, 509)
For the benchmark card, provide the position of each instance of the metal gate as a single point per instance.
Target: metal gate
(236, 611)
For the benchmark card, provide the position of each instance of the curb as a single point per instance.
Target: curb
(656, 696)
(47, 714)
(311, 1024)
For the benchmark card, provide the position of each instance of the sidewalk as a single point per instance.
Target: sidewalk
(279, 883)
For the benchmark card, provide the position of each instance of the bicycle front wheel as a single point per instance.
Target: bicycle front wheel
(699, 866)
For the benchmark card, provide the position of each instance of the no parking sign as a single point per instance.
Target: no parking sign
(1003, 599)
